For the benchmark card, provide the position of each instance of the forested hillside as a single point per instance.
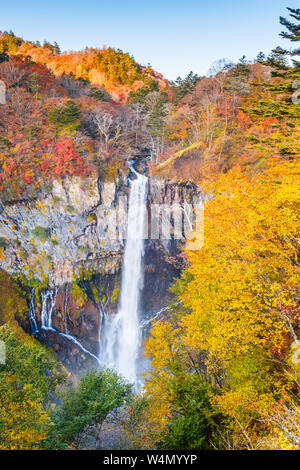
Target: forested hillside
(226, 363)
(225, 356)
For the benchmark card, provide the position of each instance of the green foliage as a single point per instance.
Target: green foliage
(187, 432)
(237, 81)
(281, 102)
(31, 132)
(156, 122)
(52, 47)
(292, 31)
(42, 233)
(98, 94)
(33, 83)
(56, 48)
(3, 57)
(97, 394)
(30, 367)
(193, 423)
(78, 294)
(183, 86)
(12, 301)
(115, 294)
(70, 208)
(131, 424)
(65, 117)
(278, 57)
(139, 96)
(32, 282)
(27, 379)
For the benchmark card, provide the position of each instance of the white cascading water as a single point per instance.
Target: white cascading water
(66, 307)
(32, 320)
(48, 298)
(120, 345)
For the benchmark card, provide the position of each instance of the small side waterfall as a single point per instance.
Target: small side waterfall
(74, 340)
(32, 320)
(66, 307)
(48, 298)
(121, 341)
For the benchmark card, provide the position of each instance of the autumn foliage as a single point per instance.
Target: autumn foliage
(235, 325)
(225, 359)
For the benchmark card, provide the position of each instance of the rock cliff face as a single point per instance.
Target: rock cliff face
(66, 250)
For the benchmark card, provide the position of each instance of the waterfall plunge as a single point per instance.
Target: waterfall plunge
(121, 340)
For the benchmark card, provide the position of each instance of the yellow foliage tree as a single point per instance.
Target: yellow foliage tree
(234, 292)
(23, 422)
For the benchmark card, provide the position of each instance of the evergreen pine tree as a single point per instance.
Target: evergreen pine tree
(278, 57)
(56, 48)
(283, 104)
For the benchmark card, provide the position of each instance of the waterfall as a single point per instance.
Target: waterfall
(75, 341)
(48, 305)
(121, 333)
(32, 320)
(48, 298)
(66, 307)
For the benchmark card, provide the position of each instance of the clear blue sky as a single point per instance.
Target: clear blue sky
(174, 36)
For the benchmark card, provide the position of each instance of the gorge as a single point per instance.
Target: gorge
(101, 272)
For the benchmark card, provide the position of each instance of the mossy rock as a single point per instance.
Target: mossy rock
(12, 303)
(42, 233)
